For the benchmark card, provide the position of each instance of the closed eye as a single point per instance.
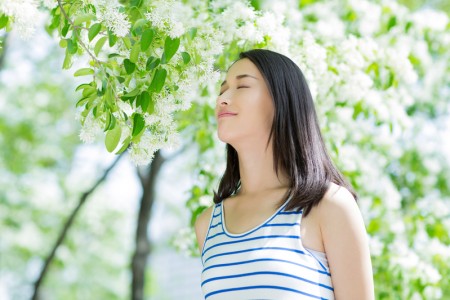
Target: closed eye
(239, 87)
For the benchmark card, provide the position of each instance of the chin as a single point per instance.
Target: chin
(224, 137)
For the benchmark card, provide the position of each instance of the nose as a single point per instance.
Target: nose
(221, 100)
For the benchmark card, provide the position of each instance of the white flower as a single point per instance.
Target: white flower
(90, 129)
(170, 16)
(184, 241)
(432, 292)
(125, 107)
(376, 246)
(143, 152)
(173, 141)
(249, 32)
(205, 200)
(369, 16)
(428, 274)
(50, 4)
(430, 19)
(23, 14)
(108, 13)
(151, 119)
(401, 65)
(355, 87)
(176, 30)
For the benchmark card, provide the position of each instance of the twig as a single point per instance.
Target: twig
(66, 227)
(79, 38)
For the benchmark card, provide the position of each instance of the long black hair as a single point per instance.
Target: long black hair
(298, 146)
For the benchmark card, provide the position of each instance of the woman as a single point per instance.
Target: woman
(285, 223)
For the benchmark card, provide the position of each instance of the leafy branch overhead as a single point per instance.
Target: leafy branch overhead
(129, 67)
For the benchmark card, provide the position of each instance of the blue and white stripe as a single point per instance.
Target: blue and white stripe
(267, 262)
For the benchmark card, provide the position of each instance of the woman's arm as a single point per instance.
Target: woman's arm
(345, 240)
(201, 227)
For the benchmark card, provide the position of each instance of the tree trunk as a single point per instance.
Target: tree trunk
(142, 250)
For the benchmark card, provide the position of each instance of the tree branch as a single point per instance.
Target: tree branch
(66, 227)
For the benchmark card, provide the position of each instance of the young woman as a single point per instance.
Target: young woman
(285, 223)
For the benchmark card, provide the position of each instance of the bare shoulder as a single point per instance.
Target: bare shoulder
(201, 226)
(345, 241)
(337, 201)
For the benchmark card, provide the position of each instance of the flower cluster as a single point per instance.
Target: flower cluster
(108, 13)
(21, 12)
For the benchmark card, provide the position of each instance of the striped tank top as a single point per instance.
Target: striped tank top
(267, 262)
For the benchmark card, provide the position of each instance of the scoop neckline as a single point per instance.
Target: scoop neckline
(224, 227)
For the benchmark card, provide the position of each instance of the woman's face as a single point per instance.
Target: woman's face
(245, 94)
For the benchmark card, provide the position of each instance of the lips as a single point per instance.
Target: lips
(226, 114)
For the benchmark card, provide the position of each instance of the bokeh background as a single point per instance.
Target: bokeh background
(380, 75)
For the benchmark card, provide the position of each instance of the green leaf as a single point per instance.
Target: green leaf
(111, 38)
(170, 48)
(125, 145)
(127, 42)
(138, 124)
(145, 100)
(83, 86)
(151, 107)
(111, 121)
(136, 3)
(112, 138)
(134, 53)
(94, 30)
(390, 80)
(72, 46)
(131, 94)
(98, 46)
(139, 23)
(146, 39)
(186, 57)
(129, 66)
(152, 63)
(107, 121)
(158, 80)
(3, 21)
(95, 111)
(86, 100)
(192, 32)
(83, 72)
(109, 97)
(83, 18)
(85, 112)
(67, 61)
(63, 43)
(89, 91)
(65, 29)
(391, 23)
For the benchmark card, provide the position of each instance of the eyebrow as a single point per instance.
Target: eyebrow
(239, 77)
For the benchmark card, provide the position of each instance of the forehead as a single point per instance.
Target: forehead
(243, 66)
(240, 68)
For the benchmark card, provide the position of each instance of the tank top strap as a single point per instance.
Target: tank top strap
(214, 227)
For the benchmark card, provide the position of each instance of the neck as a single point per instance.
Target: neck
(257, 172)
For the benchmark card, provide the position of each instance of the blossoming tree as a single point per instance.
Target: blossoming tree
(379, 75)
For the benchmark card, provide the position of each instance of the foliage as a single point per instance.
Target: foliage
(153, 68)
